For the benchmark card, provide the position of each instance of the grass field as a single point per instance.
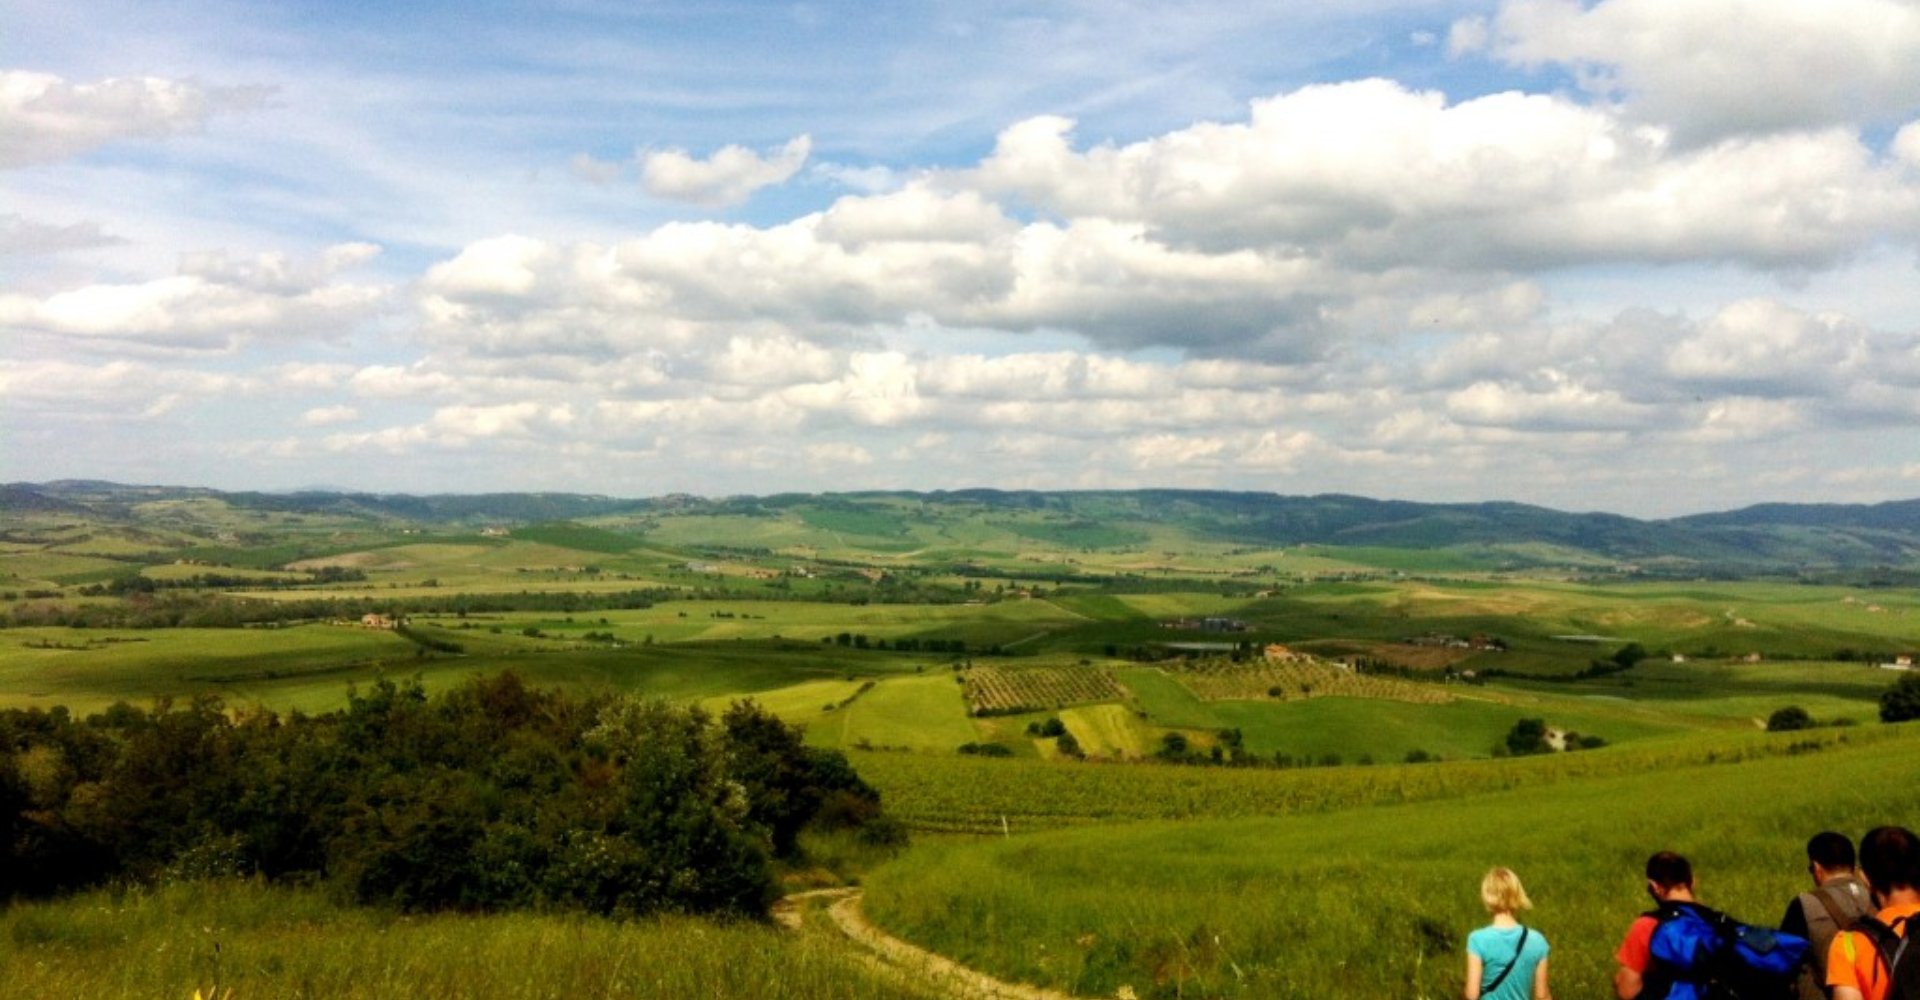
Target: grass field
(283, 944)
(1376, 900)
(963, 794)
(917, 713)
(88, 669)
(1114, 731)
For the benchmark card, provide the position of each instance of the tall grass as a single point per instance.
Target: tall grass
(272, 943)
(1377, 901)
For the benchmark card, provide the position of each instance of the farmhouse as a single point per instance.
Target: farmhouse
(373, 620)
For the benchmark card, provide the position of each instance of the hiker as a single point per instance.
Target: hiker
(1837, 899)
(1669, 880)
(1505, 959)
(1869, 961)
(1684, 950)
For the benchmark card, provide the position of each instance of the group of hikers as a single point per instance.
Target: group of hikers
(1845, 939)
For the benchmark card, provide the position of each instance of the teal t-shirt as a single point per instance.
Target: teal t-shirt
(1496, 947)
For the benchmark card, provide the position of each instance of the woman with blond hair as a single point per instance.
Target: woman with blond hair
(1506, 960)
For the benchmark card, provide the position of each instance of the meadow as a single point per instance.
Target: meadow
(1376, 899)
(282, 944)
(898, 633)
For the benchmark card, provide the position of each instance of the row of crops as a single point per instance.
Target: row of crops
(996, 690)
(1301, 677)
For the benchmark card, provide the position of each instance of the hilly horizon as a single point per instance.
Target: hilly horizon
(1763, 538)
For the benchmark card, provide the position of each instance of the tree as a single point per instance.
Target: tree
(1789, 719)
(1901, 701)
(1528, 736)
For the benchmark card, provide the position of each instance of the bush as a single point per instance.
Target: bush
(1901, 702)
(1789, 719)
(1528, 736)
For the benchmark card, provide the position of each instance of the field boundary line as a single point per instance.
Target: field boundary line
(913, 964)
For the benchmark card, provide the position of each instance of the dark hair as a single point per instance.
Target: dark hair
(1830, 850)
(1668, 870)
(1890, 856)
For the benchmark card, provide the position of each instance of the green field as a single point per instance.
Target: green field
(912, 713)
(856, 618)
(282, 944)
(1376, 900)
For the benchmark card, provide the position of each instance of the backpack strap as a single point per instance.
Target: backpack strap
(1824, 896)
(1889, 943)
(1518, 950)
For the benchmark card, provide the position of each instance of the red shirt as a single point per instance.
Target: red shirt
(1636, 951)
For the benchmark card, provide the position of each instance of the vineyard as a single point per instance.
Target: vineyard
(1224, 680)
(999, 690)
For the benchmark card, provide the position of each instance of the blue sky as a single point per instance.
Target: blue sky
(1650, 256)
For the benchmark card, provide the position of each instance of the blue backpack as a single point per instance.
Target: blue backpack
(1702, 954)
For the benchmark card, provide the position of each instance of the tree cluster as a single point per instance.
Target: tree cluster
(1901, 702)
(490, 796)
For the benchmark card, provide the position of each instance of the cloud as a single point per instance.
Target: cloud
(21, 236)
(1332, 212)
(324, 416)
(114, 390)
(1371, 175)
(44, 118)
(602, 172)
(728, 177)
(1768, 347)
(216, 302)
(1712, 68)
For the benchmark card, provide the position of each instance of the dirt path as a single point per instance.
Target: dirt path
(910, 964)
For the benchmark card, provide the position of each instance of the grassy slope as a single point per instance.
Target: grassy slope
(1376, 900)
(281, 944)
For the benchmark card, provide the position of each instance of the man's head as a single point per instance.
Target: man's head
(1829, 854)
(1669, 876)
(1890, 860)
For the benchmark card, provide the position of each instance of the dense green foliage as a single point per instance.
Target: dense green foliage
(1901, 702)
(493, 795)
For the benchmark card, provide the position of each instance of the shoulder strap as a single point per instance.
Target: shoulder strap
(1889, 943)
(1518, 950)
(1824, 896)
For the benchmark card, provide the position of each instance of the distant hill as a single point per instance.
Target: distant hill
(1769, 538)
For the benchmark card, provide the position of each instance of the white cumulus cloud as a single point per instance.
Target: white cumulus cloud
(44, 117)
(1714, 67)
(729, 176)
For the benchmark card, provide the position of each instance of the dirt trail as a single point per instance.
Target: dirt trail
(910, 964)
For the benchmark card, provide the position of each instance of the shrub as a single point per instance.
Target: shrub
(1528, 736)
(1901, 702)
(1788, 719)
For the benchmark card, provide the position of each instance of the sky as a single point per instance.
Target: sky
(1652, 257)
